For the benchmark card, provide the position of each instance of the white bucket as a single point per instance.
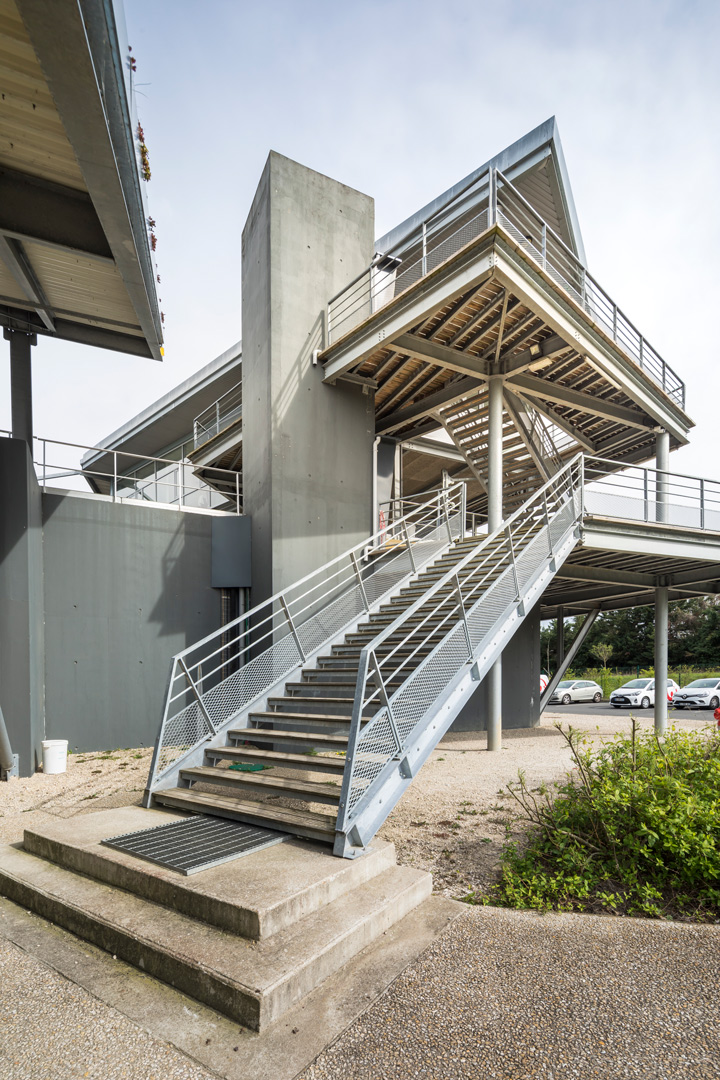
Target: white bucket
(54, 755)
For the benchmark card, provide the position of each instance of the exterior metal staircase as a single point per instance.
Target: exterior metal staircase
(361, 673)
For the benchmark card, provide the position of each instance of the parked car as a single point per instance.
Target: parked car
(640, 692)
(576, 690)
(699, 694)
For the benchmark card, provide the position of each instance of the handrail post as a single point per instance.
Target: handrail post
(492, 198)
(360, 581)
(641, 349)
(44, 459)
(544, 245)
(237, 492)
(181, 478)
(702, 504)
(409, 547)
(385, 700)
(115, 475)
(508, 533)
(463, 511)
(293, 631)
(645, 495)
(197, 696)
(461, 602)
(424, 248)
(614, 322)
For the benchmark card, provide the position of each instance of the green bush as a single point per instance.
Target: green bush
(634, 830)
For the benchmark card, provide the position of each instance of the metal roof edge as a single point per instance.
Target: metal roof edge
(200, 379)
(514, 159)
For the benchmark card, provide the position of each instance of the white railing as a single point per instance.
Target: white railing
(223, 412)
(167, 481)
(407, 670)
(236, 666)
(489, 202)
(638, 493)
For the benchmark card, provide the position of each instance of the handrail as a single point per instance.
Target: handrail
(224, 411)
(492, 208)
(127, 486)
(236, 665)
(396, 668)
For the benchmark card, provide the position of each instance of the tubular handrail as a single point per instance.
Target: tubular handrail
(454, 600)
(224, 411)
(216, 678)
(137, 486)
(490, 207)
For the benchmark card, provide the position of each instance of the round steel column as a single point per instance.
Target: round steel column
(662, 464)
(661, 660)
(495, 517)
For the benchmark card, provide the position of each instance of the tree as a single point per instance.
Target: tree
(602, 651)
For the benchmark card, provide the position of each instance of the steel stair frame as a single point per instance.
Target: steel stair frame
(447, 508)
(358, 823)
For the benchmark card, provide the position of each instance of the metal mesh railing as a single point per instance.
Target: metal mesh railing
(492, 200)
(406, 670)
(214, 680)
(223, 412)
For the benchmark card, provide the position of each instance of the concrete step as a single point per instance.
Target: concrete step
(305, 823)
(255, 896)
(253, 983)
(245, 784)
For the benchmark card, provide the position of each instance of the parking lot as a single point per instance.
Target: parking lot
(603, 708)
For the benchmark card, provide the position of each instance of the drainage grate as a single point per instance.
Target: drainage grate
(195, 843)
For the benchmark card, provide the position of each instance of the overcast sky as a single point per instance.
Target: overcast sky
(400, 99)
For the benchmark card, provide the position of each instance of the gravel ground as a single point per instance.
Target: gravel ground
(503, 994)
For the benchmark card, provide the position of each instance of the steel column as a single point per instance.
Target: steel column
(560, 637)
(661, 659)
(662, 464)
(21, 383)
(495, 517)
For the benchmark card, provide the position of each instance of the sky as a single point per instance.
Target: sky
(400, 99)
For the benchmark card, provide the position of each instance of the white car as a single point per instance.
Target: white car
(699, 694)
(576, 690)
(640, 692)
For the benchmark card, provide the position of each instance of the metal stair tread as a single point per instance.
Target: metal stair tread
(270, 815)
(277, 757)
(212, 775)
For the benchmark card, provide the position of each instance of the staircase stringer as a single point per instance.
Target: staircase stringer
(389, 787)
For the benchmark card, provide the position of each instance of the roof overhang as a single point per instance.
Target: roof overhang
(75, 260)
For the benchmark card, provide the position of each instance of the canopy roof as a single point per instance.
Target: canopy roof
(75, 259)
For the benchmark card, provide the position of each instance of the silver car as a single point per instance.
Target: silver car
(576, 690)
(699, 694)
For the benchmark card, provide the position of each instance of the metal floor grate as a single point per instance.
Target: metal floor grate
(195, 843)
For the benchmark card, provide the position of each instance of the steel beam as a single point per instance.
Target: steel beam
(605, 575)
(432, 351)
(569, 657)
(452, 392)
(13, 255)
(21, 384)
(576, 399)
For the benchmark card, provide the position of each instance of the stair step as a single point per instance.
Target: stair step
(316, 689)
(265, 783)
(300, 701)
(291, 717)
(276, 735)
(251, 755)
(307, 823)
(253, 983)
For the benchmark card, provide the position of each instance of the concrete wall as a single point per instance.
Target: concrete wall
(21, 603)
(307, 466)
(126, 587)
(520, 683)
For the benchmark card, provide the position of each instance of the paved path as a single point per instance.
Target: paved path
(508, 995)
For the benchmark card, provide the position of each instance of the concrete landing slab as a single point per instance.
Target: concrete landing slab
(283, 1050)
(258, 896)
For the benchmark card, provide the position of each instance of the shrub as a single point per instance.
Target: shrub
(635, 830)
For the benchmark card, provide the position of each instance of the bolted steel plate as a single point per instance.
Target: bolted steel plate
(195, 843)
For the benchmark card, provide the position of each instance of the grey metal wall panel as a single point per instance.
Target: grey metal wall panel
(231, 567)
(126, 587)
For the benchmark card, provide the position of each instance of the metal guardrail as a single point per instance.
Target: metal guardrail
(638, 493)
(493, 201)
(223, 412)
(215, 679)
(407, 671)
(171, 483)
